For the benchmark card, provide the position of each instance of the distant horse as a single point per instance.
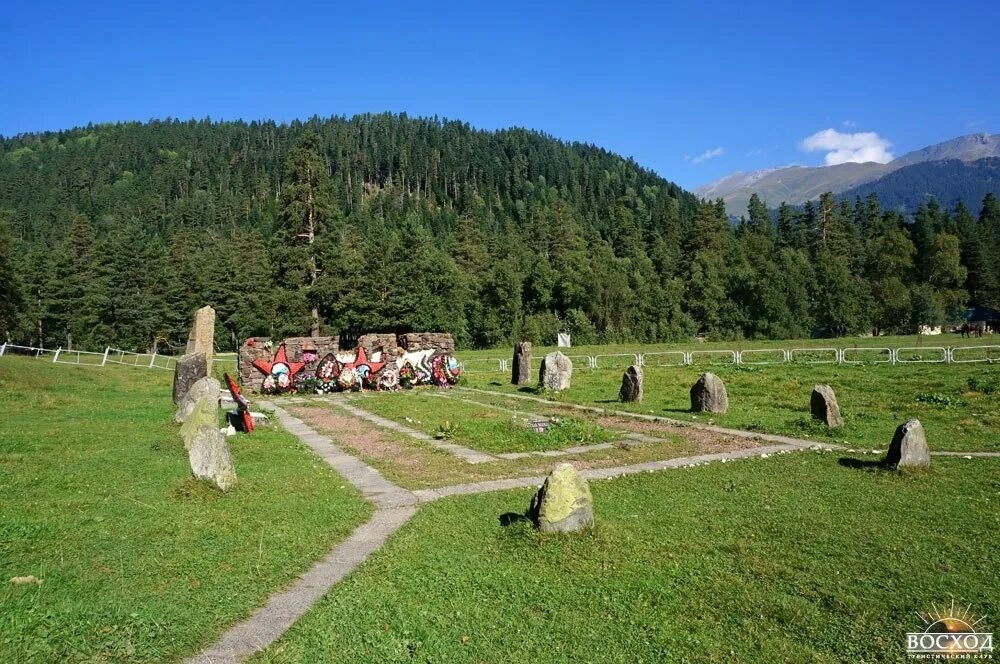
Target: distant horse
(975, 328)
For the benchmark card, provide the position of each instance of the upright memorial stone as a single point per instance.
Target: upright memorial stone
(521, 367)
(708, 395)
(824, 407)
(556, 372)
(201, 339)
(563, 504)
(188, 370)
(631, 385)
(909, 447)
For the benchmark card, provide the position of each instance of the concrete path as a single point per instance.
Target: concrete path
(737, 433)
(427, 495)
(635, 439)
(463, 453)
(394, 507)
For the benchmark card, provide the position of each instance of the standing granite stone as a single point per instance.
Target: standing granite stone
(563, 504)
(201, 339)
(909, 447)
(210, 458)
(203, 387)
(204, 415)
(824, 407)
(631, 385)
(188, 370)
(708, 395)
(556, 372)
(521, 367)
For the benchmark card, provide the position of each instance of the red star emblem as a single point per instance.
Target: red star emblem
(280, 361)
(363, 366)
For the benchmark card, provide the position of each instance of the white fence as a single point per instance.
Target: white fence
(94, 359)
(854, 355)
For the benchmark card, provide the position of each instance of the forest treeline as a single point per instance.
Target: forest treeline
(115, 234)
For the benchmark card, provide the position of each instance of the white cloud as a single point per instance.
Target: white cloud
(842, 148)
(849, 123)
(706, 155)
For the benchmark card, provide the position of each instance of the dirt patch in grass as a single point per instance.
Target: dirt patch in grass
(704, 442)
(366, 439)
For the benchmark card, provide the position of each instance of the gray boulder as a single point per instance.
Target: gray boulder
(556, 372)
(824, 407)
(631, 390)
(520, 373)
(188, 370)
(708, 395)
(210, 458)
(909, 447)
(563, 504)
(204, 415)
(203, 387)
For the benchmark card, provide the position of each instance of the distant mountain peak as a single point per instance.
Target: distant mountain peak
(797, 184)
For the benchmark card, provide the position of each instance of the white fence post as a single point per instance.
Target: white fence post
(55, 358)
(104, 360)
(3, 348)
(152, 360)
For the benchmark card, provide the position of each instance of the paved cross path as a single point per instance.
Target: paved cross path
(464, 453)
(396, 505)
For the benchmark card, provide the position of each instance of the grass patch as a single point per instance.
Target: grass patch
(479, 427)
(955, 402)
(796, 558)
(139, 562)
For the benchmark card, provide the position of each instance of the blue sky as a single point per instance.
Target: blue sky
(693, 91)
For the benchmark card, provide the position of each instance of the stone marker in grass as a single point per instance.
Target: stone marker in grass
(824, 407)
(210, 458)
(201, 338)
(188, 370)
(521, 367)
(708, 395)
(563, 504)
(204, 415)
(631, 391)
(203, 387)
(909, 447)
(556, 372)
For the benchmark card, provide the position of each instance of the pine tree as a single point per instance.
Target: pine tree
(307, 209)
(12, 301)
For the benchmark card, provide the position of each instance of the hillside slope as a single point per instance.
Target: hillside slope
(948, 181)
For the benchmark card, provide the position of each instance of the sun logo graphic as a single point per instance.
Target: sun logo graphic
(950, 634)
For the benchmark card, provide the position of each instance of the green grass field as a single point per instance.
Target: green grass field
(959, 404)
(139, 563)
(796, 558)
(805, 556)
(478, 427)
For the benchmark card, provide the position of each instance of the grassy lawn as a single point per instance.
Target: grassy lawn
(801, 557)
(478, 427)
(139, 562)
(874, 399)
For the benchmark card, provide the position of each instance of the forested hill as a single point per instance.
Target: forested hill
(948, 181)
(114, 234)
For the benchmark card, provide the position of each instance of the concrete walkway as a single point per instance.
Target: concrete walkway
(427, 495)
(737, 433)
(463, 453)
(394, 507)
